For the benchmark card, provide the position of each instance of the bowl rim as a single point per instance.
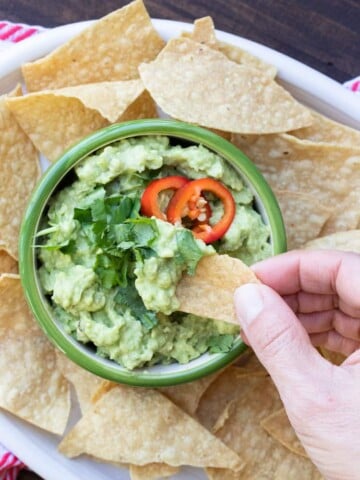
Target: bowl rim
(55, 173)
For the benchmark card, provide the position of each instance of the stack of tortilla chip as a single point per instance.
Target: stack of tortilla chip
(231, 423)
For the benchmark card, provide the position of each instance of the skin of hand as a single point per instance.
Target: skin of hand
(308, 299)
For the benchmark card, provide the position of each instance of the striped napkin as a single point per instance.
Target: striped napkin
(11, 33)
(10, 465)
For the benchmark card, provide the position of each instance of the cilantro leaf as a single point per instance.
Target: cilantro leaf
(221, 343)
(189, 251)
(130, 297)
(83, 215)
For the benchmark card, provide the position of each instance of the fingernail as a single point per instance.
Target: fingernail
(248, 303)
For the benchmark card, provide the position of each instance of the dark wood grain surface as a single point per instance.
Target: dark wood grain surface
(324, 34)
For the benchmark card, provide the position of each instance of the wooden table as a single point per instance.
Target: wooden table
(324, 34)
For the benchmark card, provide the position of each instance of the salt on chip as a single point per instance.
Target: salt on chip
(109, 50)
(215, 281)
(329, 173)
(31, 387)
(20, 170)
(153, 471)
(56, 119)
(197, 84)
(242, 432)
(84, 382)
(277, 425)
(324, 129)
(204, 32)
(348, 241)
(141, 426)
(8, 263)
(303, 217)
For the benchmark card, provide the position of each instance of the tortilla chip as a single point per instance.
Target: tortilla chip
(30, 387)
(227, 387)
(141, 426)
(347, 241)
(216, 277)
(56, 119)
(110, 99)
(248, 362)
(325, 130)
(326, 172)
(204, 32)
(84, 382)
(303, 217)
(8, 263)
(187, 396)
(109, 50)
(333, 357)
(346, 215)
(197, 84)
(277, 425)
(153, 471)
(20, 170)
(242, 432)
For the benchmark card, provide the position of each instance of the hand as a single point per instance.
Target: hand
(311, 298)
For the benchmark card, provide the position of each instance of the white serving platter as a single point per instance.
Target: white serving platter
(35, 447)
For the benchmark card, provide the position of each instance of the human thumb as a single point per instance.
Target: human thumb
(276, 335)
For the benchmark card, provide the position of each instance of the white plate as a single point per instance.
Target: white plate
(35, 447)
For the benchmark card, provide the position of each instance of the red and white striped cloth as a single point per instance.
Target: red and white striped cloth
(11, 33)
(10, 465)
(14, 33)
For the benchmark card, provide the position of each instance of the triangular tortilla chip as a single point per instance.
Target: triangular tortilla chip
(142, 426)
(227, 387)
(56, 119)
(216, 279)
(242, 432)
(153, 471)
(303, 217)
(187, 396)
(30, 387)
(324, 129)
(204, 32)
(345, 216)
(336, 358)
(328, 173)
(20, 171)
(111, 49)
(84, 382)
(8, 263)
(347, 241)
(277, 425)
(196, 84)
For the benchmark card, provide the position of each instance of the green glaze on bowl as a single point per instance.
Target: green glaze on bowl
(159, 375)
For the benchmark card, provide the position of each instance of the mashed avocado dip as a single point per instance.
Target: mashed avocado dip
(111, 273)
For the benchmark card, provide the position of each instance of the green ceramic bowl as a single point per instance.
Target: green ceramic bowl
(159, 375)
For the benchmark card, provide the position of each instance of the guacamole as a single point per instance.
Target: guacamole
(110, 273)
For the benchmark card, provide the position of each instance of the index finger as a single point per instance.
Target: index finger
(314, 271)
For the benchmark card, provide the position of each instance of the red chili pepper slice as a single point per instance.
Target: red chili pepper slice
(188, 202)
(150, 206)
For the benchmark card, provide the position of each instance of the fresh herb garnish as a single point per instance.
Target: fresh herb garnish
(189, 251)
(221, 343)
(129, 297)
